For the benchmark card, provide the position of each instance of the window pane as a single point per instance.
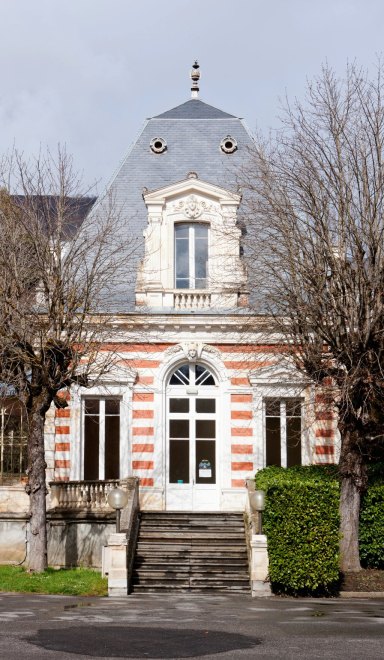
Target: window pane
(205, 428)
(13, 441)
(179, 405)
(201, 257)
(112, 407)
(179, 428)
(272, 407)
(205, 462)
(203, 376)
(182, 258)
(182, 284)
(91, 406)
(179, 461)
(293, 407)
(205, 405)
(180, 376)
(91, 447)
(112, 446)
(13, 417)
(293, 441)
(201, 232)
(181, 231)
(272, 439)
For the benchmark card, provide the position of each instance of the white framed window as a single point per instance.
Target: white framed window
(283, 431)
(191, 255)
(101, 438)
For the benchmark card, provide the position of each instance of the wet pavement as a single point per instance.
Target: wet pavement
(189, 626)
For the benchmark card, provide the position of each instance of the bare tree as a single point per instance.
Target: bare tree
(315, 206)
(57, 273)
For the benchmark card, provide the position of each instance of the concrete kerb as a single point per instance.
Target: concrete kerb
(361, 594)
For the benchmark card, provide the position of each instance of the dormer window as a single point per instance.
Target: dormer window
(191, 255)
(188, 265)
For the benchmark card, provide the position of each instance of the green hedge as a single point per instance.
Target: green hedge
(301, 522)
(371, 534)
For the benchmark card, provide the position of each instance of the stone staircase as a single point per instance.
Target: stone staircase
(194, 552)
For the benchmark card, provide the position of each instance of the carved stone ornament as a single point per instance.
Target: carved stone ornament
(173, 350)
(212, 350)
(192, 350)
(193, 207)
(229, 216)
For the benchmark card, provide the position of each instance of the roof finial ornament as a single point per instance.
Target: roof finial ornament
(195, 77)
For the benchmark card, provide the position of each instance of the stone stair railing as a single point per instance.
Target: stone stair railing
(257, 547)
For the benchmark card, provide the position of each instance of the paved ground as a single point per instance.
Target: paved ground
(185, 626)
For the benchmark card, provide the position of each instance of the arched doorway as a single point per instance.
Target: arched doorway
(192, 475)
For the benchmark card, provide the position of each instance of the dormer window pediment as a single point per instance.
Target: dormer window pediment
(187, 187)
(194, 207)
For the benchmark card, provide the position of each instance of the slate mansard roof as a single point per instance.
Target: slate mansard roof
(46, 208)
(193, 132)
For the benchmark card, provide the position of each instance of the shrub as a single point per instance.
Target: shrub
(371, 535)
(301, 522)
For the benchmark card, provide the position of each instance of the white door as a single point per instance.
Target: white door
(192, 448)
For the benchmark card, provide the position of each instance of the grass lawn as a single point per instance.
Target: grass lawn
(71, 582)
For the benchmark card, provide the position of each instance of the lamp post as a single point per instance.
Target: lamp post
(117, 499)
(257, 501)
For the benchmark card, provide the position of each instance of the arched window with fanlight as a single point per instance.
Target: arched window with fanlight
(192, 374)
(192, 432)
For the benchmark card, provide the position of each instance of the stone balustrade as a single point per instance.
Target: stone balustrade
(191, 300)
(84, 495)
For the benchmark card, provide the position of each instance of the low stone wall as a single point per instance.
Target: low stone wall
(78, 524)
(74, 539)
(77, 539)
(14, 507)
(13, 534)
(13, 499)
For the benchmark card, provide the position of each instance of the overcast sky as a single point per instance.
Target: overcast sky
(88, 72)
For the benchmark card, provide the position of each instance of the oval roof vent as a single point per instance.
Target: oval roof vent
(158, 145)
(228, 145)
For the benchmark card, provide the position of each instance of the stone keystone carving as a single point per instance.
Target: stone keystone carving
(192, 350)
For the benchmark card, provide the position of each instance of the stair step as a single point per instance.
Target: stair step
(183, 552)
(195, 589)
(219, 536)
(193, 563)
(195, 560)
(179, 574)
(199, 580)
(180, 551)
(184, 537)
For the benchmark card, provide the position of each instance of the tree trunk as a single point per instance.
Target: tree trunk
(36, 489)
(349, 526)
(352, 472)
